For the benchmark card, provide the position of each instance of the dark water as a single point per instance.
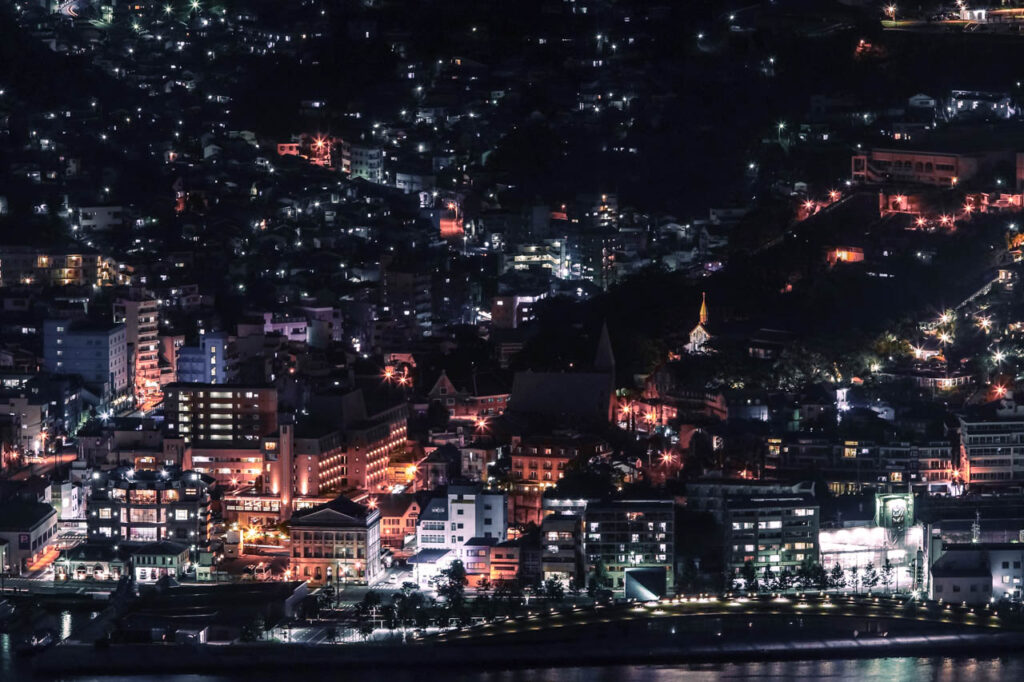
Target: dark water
(882, 669)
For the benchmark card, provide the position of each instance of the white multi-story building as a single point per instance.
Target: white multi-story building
(992, 444)
(465, 512)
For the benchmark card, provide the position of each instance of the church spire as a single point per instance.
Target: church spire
(604, 359)
(703, 309)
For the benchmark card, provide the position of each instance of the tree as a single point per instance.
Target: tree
(484, 585)
(870, 578)
(511, 594)
(553, 589)
(836, 578)
(366, 629)
(598, 578)
(451, 582)
(887, 574)
(688, 578)
(786, 579)
(574, 587)
(749, 575)
(820, 577)
(770, 580)
(805, 573)
(853, 582)
(254, 629)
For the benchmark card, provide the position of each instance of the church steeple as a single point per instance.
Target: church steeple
(703, 318)
(604, 359)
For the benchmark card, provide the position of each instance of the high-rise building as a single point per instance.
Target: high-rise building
(140, 315)
(229, 416)
(774, 532)
(96, 351)
(635, 541)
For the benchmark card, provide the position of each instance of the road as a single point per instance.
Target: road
(71, 7)
(982, 617)
(44, 466)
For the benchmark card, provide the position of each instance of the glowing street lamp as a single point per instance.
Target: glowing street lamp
(921, 222)
(481, 424)
(1000, 390)
(168, 9)
(998, 357)
(833, 195)
(809, 205)
(945, 220)
(945, 317)
(891, 11)
(985, 323)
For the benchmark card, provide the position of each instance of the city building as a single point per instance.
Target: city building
(140, 316)
(206, 363)
(336, 543)
(29, 530)
(992, 443)
(96, 351)
(92, 561)
(399, 514)
(461, 513)
(21, 265)
(561, 537)
(129, 506)
(480, 397)
(774, 532)
(235, 415)
(635, 542)
(942, 168)
(155, 560)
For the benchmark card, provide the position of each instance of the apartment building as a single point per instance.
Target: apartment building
(140, 316)
(26, 265)
(221, 416)
(96, 351)
(770, 531)
(635, 541)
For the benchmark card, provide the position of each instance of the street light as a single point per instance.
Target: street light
(891, 11)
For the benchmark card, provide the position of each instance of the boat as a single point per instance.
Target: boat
(36, 642)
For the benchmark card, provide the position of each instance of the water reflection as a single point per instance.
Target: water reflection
(65, 624)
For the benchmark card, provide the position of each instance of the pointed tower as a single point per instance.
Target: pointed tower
(604, 359)
(699, 335)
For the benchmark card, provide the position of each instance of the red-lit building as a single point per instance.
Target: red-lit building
(481, 395)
